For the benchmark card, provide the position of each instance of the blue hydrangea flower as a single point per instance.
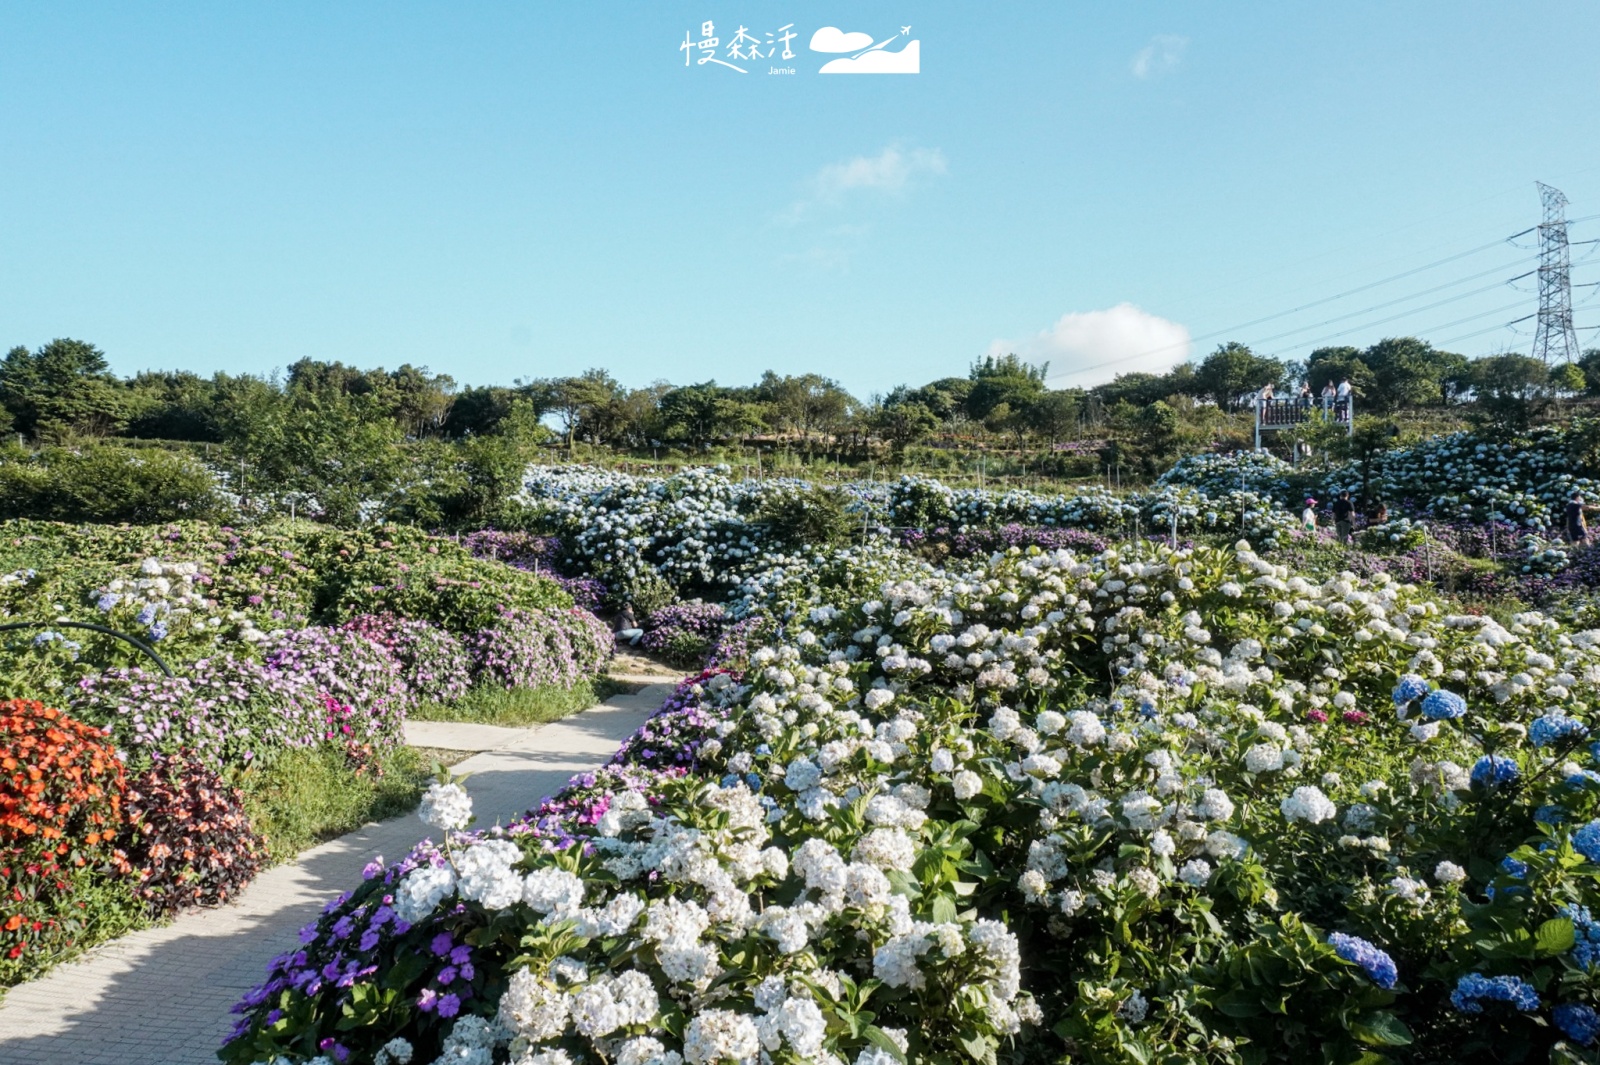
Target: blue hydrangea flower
(1587, 841)
(1410, 687)
(1493, 771)
(158, 631)
(1443, 706)
(1512, 867)
(1586, 935)
(1474, 989)
(48, 636)
(1379, 967)
(146, 615)
(1577, 1022)
(107, 601)
(1583, 778)
(1553, 728)
(1550, 815)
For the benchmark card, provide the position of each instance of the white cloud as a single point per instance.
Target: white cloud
(833, 39)
(1162, 54)
(1090, 347)
(891, 171)
(907, 60)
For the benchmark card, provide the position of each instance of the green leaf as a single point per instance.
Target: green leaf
(1555, 936)
(1381, 1028)
(1238, 1004)
(978, 1047)
(944, 911)
(878, 1038)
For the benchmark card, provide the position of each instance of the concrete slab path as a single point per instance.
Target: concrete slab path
(162, 996)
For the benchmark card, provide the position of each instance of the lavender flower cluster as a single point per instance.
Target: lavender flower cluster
(673, 737)
(684, 625)
(235, 711)
(529, 648)
(540, 554)
(434, 663)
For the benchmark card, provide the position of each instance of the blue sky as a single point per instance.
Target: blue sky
(518, 190)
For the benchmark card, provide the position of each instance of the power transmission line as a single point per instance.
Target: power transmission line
(1294, 310)
(1391, 303)
(1343, 295)
(1432, 329)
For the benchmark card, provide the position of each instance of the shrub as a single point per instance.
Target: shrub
(188, 837)
(457, 593)
(434, 663)
(61, 813)
(238, 711)
(105, 483)
(531, 648)
(806, 518)
(685, 633)
(646, 590)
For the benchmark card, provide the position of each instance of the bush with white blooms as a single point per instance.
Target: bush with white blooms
(1184, 806)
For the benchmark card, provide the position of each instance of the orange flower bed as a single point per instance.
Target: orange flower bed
(62, 793)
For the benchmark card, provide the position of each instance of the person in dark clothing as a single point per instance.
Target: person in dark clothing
(628, 625)
(1343, 512)
(1577, 528)
(1380, 513)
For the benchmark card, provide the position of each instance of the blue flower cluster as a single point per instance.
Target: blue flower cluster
(1577, 1022)
(1550, 815)
(1586, 935)
(1493, 771)
(1443, 706)
(1587, 841)
(1410, 687)
(1378, 965)
(1553, 728)
(1474, 989)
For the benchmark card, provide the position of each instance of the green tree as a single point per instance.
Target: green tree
(1406, 373)
(1056, 413)
(65, 388)
(901, 420)
(705, 412)
(1589, 363)
(1004, 381)
(1232, 372)
(1512, 392)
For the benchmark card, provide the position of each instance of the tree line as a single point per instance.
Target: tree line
(64, 390)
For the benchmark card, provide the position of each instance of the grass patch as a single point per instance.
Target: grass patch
(513, 708)
(606, 687)
(308, 797)
(441, 756)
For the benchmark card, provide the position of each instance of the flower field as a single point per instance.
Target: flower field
(297, 653)
(1028, 803)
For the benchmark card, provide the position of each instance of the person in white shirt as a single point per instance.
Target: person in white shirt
(1344, 389)
(1308, 516)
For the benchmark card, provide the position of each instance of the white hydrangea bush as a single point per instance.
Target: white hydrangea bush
(1174, 805)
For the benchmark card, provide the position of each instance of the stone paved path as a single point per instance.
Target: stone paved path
(162, 996)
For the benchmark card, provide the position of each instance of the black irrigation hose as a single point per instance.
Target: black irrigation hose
(92, 627)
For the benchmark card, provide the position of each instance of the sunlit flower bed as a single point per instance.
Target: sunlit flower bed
(1179, 806)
